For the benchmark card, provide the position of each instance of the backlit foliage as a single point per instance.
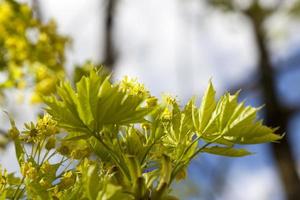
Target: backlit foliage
(32, 53)
(103, 140)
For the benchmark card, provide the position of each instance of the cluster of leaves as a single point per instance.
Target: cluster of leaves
(31, 52)
(104, 140)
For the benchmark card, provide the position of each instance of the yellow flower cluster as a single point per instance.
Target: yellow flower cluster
(5, 12)
(167, 113)
(44, 174)
(133, 87)
(169, 100)
(151, 102)
(75, 149)
(44, 128)
(28, 170)
(29, 48)
(50, 143)
(3, 179)
(48, 169)
(14, 132)
(67, 180)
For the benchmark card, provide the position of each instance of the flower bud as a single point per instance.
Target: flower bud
(14, 133)
(151, 101)
(64, 150)
(50, 143)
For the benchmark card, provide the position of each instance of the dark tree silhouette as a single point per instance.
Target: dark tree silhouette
(276, 114)
(109, 59)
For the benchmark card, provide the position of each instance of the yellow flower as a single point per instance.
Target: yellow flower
(35, 98)
(25, 10)
(151, 101)
(56, 194)
(41, 72)
(46, 126)
(5, 12)
(80, 153)
(45, 183)
(15, 72)
(50, 143)
(169, 99)
(3, 178)
(48, 169)
(166, 115)
(43, 37)
(21, 84)
(28, 170)
(181, 174)
(67, 180)
(64, 150)
(132, 87)
(46, 86)
(31, 134)
(14, 132)
(22, 52)
(146, 126)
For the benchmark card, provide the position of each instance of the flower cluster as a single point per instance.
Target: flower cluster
(28, 170)
(75, 149)
(45, 175)
(3, 179)
(43, 129)
(133, 87)
(30, 52)
(46, 126)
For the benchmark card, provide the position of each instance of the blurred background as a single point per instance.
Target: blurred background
(176, 46)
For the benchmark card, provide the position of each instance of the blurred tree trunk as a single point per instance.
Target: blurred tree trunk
(275, 114)
(37, 9)
(109, 59)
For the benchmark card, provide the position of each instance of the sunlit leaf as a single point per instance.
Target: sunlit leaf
(227, 151)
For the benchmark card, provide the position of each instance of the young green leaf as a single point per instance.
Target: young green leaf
(229, 122)
(207, 107)
(96, 102)
(226, 151)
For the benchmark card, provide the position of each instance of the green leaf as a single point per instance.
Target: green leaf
(226, 151)
(114, 192)
(73, 193)
(12, 179)
(65, 115)
(92, 182)
(36, 191)
(95, 103)
(166, 171)
(87, 89)
(229, 122)
(3, 196)
(14, 133)
(134, 142)
(227, 110)
(99, 150)
(134, 167)
(207, 107)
